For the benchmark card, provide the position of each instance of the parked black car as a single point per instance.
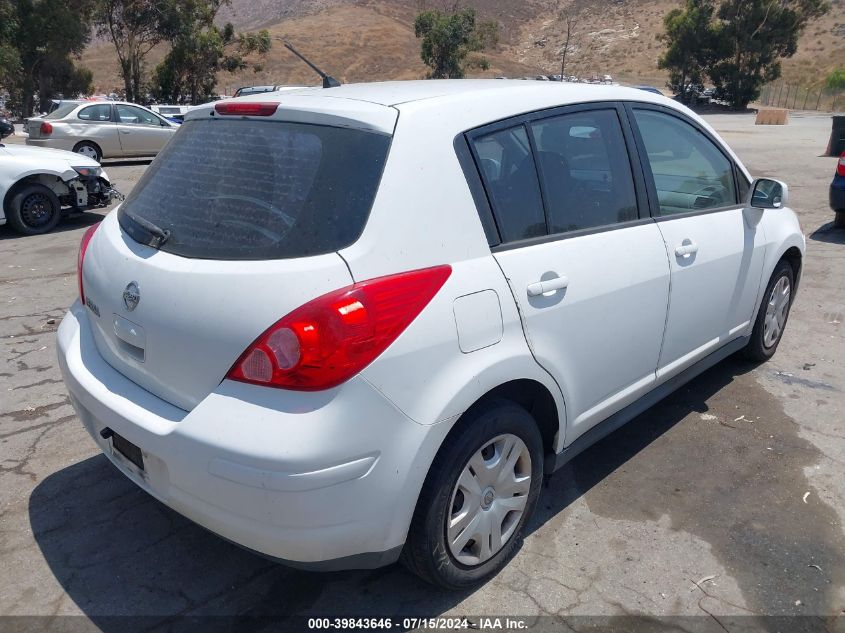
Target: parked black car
(6, 127)
(837, 192)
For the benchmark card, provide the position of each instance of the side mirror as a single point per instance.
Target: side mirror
(768, 194)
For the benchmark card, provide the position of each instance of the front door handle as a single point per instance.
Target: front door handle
(686, 249)
(549, 285)
(124, 131)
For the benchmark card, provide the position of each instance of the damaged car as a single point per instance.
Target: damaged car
(39, 186)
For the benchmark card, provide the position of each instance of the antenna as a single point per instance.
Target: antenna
(328, 80)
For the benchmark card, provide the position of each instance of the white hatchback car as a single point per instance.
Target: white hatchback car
(102, 129)
(349, 325)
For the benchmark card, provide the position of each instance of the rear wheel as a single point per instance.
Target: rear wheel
(34, 209)
(839, 220)
(772, 315)
(89, 149)
(479, 494)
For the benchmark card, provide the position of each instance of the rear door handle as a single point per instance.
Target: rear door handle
(685, 250)
(124, 131)
(549, 285)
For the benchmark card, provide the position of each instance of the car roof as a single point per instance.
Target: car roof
(457, 104)
(442, 91)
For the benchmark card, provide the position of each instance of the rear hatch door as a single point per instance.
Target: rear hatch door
(236, 224)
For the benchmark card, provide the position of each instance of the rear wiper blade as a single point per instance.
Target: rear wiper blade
(158, 235)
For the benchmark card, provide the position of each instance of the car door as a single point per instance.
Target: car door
(587, 269)
(142, 133)
(715, 244)
(95, 123)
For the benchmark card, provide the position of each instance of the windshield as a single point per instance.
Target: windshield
(252, 189)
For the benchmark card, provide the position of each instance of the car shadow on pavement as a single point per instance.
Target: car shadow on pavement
(829, 233)
(126, 162)
(116, 551)
(70, 223)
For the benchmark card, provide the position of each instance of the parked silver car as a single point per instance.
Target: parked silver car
(104, 129)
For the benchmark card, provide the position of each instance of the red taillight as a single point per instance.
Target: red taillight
(246, 109)
(46, 128)
(83, 246)
(333, 337)
(840, 168)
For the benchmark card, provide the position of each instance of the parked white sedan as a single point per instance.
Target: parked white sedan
(39, 186)
(106, 129)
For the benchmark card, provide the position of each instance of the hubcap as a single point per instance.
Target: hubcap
(36, 210)
(87, 150)
(777, 310)
(488, 500)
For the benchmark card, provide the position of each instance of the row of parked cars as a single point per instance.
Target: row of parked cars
(58, 172)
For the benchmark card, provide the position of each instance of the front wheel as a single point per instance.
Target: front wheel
(480, 492)
(34, 209)
(772, 315)
(839, 219)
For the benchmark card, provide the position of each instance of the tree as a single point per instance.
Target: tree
(200, 49)
(690, 36)
(570, 22)
(835, 79)
(135, 27)
(449, 38)
(39, 40)
(752, 37)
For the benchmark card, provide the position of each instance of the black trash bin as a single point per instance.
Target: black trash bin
(837, 137)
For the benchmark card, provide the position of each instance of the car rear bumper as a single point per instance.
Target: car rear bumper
(323, 481)
(837, 195)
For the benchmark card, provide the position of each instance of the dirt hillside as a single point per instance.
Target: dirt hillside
(359, 40)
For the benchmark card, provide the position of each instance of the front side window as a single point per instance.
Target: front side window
(135, 116)
(585, 170)
(690, 172)
(507, 167)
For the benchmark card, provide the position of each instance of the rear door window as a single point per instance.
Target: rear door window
(507, 167)
(585, 170)
(253, 189)
(96, 113)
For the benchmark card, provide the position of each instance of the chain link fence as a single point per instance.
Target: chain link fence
(796, 97)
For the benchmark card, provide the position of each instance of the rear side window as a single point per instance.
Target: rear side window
(252, 189)
(101, 112)
(585, 170)
(507, 167)
(690, 172)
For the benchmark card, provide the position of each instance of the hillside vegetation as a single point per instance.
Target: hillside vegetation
(365, 40)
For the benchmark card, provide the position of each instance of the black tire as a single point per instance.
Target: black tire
(757, 349)
(839, 220)
(89, 149)
(426, 552)
(34, 209)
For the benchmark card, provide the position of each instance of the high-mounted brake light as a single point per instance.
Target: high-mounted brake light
(246, 109)
(840, 167)
(46, 128)
(83, 246)
(333, 337)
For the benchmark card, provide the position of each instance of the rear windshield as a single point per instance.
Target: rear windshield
(62, 111)
(253, 189)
